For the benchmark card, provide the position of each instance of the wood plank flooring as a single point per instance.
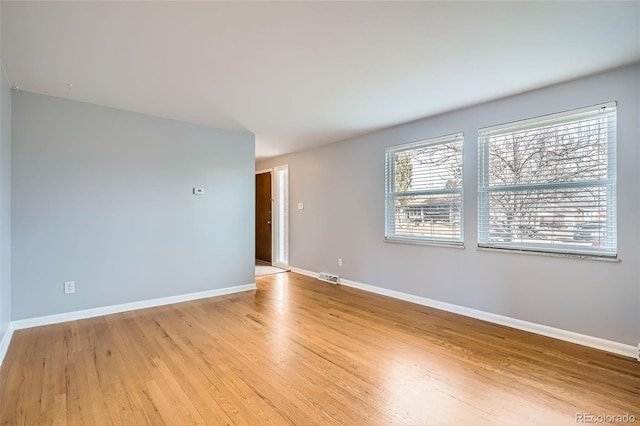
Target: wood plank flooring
(300, 351)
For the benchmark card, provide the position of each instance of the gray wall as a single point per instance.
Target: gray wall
(342, 187)
(5, 203)
(104, 197)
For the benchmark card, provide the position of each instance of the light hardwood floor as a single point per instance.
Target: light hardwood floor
(300, 351)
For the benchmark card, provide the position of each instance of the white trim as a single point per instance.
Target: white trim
(530, 252)
(556, 333)
(447, 244)
(438, 140)
(115, 309)
(547, 119)
(4, 344)
(305, 272)
(276, 214)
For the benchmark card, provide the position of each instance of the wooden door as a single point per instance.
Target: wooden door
(263, 217)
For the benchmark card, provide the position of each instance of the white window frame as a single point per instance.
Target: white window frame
(609, 184)
(390, 195)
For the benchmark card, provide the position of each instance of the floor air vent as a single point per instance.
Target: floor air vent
(330, 278)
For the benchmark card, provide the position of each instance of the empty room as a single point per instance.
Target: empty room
(319, 212)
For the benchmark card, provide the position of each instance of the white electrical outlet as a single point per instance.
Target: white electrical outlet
(69, 287)
(198, 191)
(339, 261)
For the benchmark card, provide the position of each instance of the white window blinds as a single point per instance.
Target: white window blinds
(424, 191)
(549, 184)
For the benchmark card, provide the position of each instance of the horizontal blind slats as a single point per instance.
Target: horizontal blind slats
(549, 184)
(605, 110)
(424, 190)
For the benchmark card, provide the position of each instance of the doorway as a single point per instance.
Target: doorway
(272, 217)
(263, 217)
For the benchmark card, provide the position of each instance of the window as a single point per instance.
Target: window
(424, 191)
(549, 184)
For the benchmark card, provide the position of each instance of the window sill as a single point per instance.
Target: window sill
(549, 254)
(425, 243)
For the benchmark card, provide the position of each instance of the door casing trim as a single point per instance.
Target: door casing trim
(274, 236)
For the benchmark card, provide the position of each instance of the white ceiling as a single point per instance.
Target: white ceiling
(301, 74)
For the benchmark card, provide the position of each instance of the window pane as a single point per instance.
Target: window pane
(572, 218)
(549, 184)
(429, 168)
(571, 152)
(424, 191)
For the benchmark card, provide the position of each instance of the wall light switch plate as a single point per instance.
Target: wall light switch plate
(300, 206)
(198, 191)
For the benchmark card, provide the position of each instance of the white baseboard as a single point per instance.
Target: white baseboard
(115, 309)
(304, 272)
(556, 333)
(4, 343)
